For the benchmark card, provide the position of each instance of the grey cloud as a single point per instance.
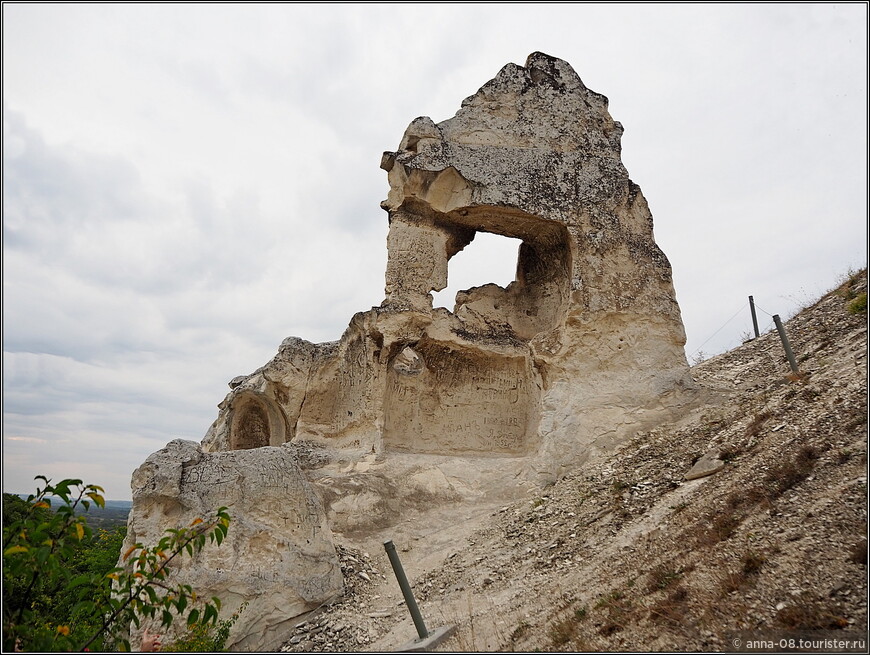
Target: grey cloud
(48, 198)
(745, 127)
(91, 214)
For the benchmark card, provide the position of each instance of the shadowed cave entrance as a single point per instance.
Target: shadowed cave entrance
(257, 421)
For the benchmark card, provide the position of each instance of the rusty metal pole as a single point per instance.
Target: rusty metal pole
(785, 343)
(410, 601)
(754, 319)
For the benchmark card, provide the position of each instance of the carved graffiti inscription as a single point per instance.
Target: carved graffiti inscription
(460, 404)
(226, 482)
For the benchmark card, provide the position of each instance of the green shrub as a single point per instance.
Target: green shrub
(205, 637)
(858, 305)
(57, 592)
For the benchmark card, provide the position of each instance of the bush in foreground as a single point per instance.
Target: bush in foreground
(51, 602)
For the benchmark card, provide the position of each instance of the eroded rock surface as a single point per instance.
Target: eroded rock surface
(278, 556)
(582, 349)
(418, 409)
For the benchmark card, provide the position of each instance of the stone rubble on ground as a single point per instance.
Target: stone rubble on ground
(631, 556)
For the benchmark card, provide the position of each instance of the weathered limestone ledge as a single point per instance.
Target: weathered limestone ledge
(278, 556)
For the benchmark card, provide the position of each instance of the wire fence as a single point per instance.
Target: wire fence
(698, 355)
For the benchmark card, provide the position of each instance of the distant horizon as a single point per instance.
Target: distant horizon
(107, 500)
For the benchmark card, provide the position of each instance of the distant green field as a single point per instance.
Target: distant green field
(113, 514)
(107, 517)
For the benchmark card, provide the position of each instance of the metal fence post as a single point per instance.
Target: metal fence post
(754, 319)
(785, 343)
(410, 601)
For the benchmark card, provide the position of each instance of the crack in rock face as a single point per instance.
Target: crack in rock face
(517, 385)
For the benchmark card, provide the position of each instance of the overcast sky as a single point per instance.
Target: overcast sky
(184, 186)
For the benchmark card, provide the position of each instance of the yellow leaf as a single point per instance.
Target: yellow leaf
(97, 498)
(139, 574)
(63, 629)
(129, 552)
(42, 504)
(80, 531)
(114, 576)
(14, 549)
(196, 521)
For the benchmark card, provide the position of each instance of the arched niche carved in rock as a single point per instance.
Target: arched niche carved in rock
(257, 421)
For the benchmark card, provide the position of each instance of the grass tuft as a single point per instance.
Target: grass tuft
(806, 614)
(858, 305)
(788, 474)
(756, 424)
(671, 609)
(662, 577)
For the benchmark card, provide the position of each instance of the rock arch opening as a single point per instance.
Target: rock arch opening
(488, 259)
(539, 291)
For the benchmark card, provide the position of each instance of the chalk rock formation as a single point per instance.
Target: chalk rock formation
(581, 350)
(278, 555)
(414, 407)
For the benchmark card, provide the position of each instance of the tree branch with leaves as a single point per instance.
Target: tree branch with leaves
(37, 546)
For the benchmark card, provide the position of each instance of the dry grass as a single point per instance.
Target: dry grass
(566, 631)
(750, 566)
(618, 613)
(858, 305)
(778, 480)
(520, 631)
(788, 474)
(807, 614)
(739, 504)
(662, 577)
(849, 280)
(858, 554)
(721, 527)
(562, 632)
(856, 418)
(742, 500)
(752, 563)
(856, 301)
(731, 581)
(672, 608)
(755, 425)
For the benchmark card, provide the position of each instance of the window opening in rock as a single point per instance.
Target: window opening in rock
(490, 258)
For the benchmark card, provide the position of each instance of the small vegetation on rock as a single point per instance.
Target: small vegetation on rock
(807, 613)
(858, 305)
(203, 637)
(662, 577)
